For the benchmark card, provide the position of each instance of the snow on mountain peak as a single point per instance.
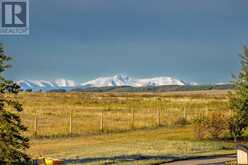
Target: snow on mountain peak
(45, 85)
(111, 81)
(122, 77)
(193, 83)
(123, 80)
(65, 83)
(117, 80)
(157, 81)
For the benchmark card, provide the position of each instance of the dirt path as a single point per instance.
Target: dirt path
(205, 161)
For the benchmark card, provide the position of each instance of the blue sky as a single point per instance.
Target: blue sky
(193, 40)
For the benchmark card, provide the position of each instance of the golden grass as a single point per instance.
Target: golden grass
(53, 110)
(151, 145)
(120, 143)
(234, 162)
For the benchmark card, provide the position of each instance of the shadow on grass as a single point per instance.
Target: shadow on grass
(122, 158)
(154, 160)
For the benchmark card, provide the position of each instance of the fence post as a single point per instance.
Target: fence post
(70, 123)
(158, 117)
(132, 118)
(230, 112)
(206, 108)
(184, 113)
(101, 124)
(35, 125)
(206, 111)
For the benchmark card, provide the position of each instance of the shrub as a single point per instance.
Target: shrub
(181, 122)
(200, 126)
(28, 90)
(236, 127)
(216, 124)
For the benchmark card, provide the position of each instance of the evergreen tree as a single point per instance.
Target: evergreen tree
(12, 142)
(239, 100)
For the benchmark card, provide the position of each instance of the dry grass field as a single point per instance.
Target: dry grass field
(50, 113)
(120, 128)
(144, 146)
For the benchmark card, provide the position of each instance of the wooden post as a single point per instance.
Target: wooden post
(165, 114)
(230, 112)
(101, 124)
(158, 117)
(132, 118)
(70, 123)
(184, 113)
(35, 125)
(206, 111)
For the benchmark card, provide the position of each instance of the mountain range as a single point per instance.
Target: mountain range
(45, 85)
(114, 81)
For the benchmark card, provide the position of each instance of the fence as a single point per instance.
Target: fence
(99, 121)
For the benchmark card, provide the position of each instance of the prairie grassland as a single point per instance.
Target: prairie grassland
(144, 146)
(121, 111)
(126, 139)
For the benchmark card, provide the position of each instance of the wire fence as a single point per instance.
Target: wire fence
(93, 122)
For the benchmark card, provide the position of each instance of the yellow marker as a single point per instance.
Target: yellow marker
(53, 162)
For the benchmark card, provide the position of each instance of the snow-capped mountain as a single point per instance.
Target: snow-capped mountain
(117, 80)
(222, 83)
(46, 85)
(194, 83)
(123, 80)
(156, 81)
(65, 83)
